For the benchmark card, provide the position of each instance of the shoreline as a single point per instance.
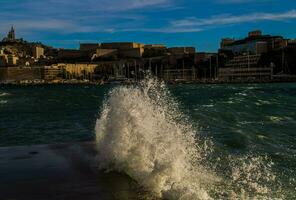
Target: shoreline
(198, 82)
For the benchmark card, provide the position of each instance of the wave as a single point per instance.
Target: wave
(4, 94)
(141, 132)
(3, 102)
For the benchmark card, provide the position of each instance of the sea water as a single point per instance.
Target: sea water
(177, 142)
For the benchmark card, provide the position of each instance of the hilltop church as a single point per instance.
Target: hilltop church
(10, 36)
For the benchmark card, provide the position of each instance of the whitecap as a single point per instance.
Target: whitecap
(3, 102)
(276, 119)
(4, 94)
(242, 94)
(208, 106)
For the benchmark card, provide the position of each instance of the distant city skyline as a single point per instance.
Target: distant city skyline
(198, 23)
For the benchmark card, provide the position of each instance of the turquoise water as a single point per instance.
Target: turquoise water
(253, 119)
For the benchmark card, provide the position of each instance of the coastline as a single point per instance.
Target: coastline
(100, 83)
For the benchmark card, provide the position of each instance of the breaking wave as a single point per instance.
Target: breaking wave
(141, 132)
(3, 102)
(4, 94)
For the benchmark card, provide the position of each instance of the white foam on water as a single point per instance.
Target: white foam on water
(142, 133)
(3, 102)
(276, 119)
(208, 106)
(4, 94)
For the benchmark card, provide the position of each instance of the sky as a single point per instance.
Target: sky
(198, 23)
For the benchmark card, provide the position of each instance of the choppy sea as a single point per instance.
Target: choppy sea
(178, 141)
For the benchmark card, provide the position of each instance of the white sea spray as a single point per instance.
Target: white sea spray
(142, 133)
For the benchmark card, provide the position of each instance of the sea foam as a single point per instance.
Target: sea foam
(142, 133)
(4, 94)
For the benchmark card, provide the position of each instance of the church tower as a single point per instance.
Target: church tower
(11, 34)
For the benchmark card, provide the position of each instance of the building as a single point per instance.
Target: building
(182, 50)
(50, 73)
(203, 57)
(243, 74)
(38, 52)
(125, 49)
(3, 60)
(12, 60)
(89, 46)
(291, 42)
(75, 71)
(245, 67)
(261, 47)
(154, 46)
(131, 53)
(244, 61)
(121, 45)
(255, 33)
(255, 43)
(106, 52)
(226, 42)
(249, 58)
(73, 55)
(16, 74)
(10, 36)
(69, 53)
(206, 64)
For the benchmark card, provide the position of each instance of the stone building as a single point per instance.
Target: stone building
(12, 60)
(182, 50)
(255, 43)
(126, 49)
(38, 52)
(89, 46)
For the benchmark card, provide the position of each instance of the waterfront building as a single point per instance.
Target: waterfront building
(76, 70)
(243, 74)
(131, 53)
(179, 75)
(121, 45)
(16, 74)
(245, 67)
(105, 53)
(226, 42)
(255, 43)
(292, 42)
(246, 58)
(51, 73)
(182, 50)
(243, 61)
(126, 49)
(154, 46)
(206, 65)
(89, 46)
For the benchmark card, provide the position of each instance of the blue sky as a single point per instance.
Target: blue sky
(199, 23)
